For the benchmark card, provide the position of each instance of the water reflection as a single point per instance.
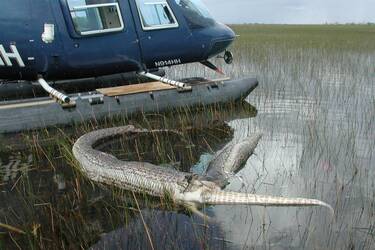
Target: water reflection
(316, 109)
(317, 144)
(46, 197)
(167, 230)
(14, 165)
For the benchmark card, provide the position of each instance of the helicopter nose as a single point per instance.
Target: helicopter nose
(223, 39)
(231, 35)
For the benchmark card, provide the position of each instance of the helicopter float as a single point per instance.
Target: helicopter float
(48, 45)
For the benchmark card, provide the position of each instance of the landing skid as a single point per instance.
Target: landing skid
(153, 97)
(64, 99)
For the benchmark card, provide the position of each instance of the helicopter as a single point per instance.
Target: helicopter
(48, 47)
(47, 40)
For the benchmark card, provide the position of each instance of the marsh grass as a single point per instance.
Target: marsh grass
(316, 109)
(316, 102)
(315, 106)
(74, 217)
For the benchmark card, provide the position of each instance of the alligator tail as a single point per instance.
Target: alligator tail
(235, 198)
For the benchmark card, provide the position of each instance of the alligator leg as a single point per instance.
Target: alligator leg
(193, 208)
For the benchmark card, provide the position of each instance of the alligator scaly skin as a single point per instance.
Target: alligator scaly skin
(157, 181)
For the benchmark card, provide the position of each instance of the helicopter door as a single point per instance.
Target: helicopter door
(164, 40)
(104, 39)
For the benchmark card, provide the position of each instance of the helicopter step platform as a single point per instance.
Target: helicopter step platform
(135, 89)
(36, 113)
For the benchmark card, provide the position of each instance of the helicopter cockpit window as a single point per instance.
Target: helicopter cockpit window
(195, 13)
(95, 16)
(156, 15)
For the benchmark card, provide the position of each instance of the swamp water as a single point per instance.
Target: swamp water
(316, 108)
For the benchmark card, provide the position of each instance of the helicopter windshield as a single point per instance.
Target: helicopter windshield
(196, 13)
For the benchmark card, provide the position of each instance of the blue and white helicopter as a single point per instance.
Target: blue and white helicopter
(42, 41)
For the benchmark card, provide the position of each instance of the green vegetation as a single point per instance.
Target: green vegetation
(332, 38)
(52, 205)
(315, 105)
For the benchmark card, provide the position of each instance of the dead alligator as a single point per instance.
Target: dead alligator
(184, 188)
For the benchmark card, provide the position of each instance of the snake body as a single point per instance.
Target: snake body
(184, 188)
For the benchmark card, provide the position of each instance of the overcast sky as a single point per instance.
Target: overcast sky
(292, 11)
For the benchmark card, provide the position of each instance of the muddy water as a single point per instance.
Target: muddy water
(316, 109)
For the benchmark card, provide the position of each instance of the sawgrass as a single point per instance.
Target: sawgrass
(316, 109)
(315, 106)
(75, 217)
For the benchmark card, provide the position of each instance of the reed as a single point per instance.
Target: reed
(315, 106)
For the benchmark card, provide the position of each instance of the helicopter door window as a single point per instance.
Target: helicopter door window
(95, 16)
(156, 15)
